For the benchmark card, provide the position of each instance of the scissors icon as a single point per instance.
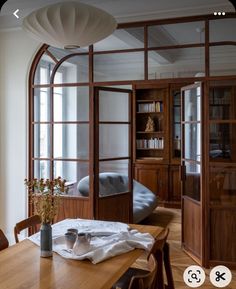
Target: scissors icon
(219, 276)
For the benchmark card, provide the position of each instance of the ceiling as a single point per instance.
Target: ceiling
(122, 10)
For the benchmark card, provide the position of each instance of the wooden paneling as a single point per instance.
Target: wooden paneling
(115, 208)
(74, 207)
(223, 234)
(174, 185)
(191, 226)
(154, 177)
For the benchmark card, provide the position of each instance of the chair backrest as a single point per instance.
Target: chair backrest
(3, 241)
(145, 281)
(159, 242)
(160, 250)
(30, 222)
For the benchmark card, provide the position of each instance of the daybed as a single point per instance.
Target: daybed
(144, 201)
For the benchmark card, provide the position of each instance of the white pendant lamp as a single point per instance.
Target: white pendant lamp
(69, 24)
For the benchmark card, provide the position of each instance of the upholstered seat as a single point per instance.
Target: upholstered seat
(144, 201)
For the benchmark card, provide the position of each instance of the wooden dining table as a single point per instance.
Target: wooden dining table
(21, 267)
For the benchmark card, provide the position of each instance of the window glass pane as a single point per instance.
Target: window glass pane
(41, 104)
(223, 141)
(72, 172)
(59, 53)
(71, 141)
(177, 140)
(221, 102)
(223, 60)
(119, 166)
(222, 30)
(74, 69)
(111, 183)
(71, 103)
(119, 66)
(192, 181)
(192, 104)
(41, 140)
(176, 34)
(44, 70)
(172, 63)
(222, 185)
(122, 39)
(113, 106)
(41, 169)
(113, 177)
(176, 119)
(113, 140)
(58, 79)
(192, 148)
(176, 114)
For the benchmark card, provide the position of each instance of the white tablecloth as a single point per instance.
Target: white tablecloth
(108, 239)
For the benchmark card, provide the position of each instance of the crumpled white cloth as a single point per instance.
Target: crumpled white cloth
(109, 239)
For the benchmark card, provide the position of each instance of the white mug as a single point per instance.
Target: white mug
(82, 244)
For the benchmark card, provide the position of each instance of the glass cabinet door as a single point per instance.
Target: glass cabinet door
(222, 143)
(191, 136)
(176, 130)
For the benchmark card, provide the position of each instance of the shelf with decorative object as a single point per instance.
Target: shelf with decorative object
(151, 123)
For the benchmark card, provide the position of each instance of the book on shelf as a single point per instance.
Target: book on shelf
(146, 107)
(153, 143)
(159, 106)
(155, 106)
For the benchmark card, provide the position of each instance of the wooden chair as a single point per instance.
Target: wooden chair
(30, 223)
(145, 281)
(141, 279)
(160, 251)
(3, 241)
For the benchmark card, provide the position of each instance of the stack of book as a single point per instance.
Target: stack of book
(155, 106)
(153, 143)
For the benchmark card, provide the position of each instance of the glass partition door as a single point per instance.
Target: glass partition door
(191, 148)
(112, 154)
(191, 124)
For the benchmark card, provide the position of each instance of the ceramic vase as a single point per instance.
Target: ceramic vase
(46, 240)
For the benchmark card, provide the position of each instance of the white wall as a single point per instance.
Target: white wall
(16, 53)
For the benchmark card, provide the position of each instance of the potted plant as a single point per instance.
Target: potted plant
(45, 195)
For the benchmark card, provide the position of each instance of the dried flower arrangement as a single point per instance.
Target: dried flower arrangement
(45, 196)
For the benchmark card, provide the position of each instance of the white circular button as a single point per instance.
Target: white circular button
(194, 276)
(220, 276)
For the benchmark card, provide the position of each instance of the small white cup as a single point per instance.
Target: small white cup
(82, 244)
(70, 238)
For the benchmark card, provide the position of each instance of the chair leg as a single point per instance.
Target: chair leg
(169, 275)
(159, 284)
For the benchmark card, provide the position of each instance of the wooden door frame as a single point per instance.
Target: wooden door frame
(94, 164)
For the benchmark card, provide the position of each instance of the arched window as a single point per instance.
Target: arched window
(67, 112)
(60, 116)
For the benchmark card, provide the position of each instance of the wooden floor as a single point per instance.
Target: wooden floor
(179, 260)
